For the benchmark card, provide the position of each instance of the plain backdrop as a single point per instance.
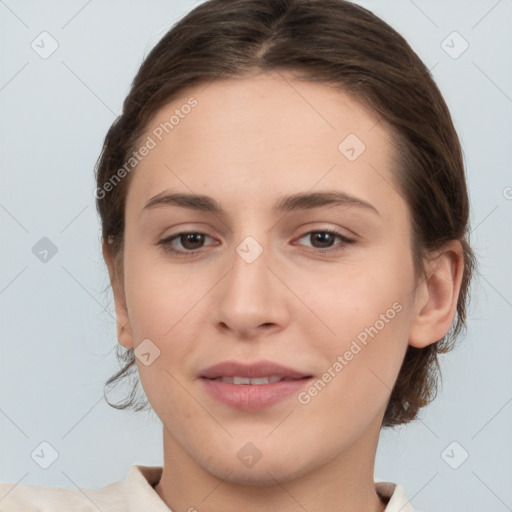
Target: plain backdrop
(57, 328)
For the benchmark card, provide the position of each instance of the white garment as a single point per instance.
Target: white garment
(133, 494)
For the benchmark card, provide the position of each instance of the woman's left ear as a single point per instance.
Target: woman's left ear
(437, 295)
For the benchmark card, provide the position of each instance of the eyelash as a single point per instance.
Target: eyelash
(167, 247)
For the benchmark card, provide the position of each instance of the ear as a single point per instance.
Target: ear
(124, 331)
(437, 296)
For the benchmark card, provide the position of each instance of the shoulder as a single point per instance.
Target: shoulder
(113, 497)
(26, 497)
(395, 497)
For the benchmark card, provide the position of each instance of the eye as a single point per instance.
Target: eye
(324, 240)
(190, 241)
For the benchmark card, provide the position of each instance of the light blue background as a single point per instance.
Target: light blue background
(58, 333)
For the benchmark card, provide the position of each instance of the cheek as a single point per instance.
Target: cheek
(367, 308)
(159, 295)
(363, 362)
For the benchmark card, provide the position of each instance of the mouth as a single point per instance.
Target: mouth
(256, 381)
(256, 370)
(252, 386)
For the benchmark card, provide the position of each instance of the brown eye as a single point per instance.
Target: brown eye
(325, 239)
(190, 242)
(322, 238)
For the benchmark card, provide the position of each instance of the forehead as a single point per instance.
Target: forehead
(269, 132)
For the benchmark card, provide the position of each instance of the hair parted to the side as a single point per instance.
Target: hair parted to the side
(332, 42)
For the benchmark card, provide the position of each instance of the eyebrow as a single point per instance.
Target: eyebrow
(299, 201)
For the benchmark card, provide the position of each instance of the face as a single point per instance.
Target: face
(321, 287)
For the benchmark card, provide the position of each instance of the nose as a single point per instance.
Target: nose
(252, 301)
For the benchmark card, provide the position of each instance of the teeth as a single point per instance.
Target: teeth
(247, 380)
(241, 380)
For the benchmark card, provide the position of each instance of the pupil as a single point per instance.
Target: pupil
(323, 238)
(192, 239)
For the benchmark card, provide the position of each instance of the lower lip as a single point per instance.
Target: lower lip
(250, 397)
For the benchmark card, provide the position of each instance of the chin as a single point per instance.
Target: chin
(262, 473)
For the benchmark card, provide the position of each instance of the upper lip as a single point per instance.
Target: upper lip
(251, 370)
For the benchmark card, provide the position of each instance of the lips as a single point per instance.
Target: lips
(251, 371)
(252, 386)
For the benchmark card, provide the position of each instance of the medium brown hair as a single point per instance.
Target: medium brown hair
(332, 42)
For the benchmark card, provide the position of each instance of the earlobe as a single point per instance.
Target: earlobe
(437, 296)
(124, 334)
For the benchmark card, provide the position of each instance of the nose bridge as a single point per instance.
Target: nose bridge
(250, 296)
(249, 275)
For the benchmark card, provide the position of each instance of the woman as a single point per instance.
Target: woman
(285, 223)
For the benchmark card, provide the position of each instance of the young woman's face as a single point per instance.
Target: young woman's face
(263, 280)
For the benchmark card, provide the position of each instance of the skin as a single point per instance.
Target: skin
(246, 143)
